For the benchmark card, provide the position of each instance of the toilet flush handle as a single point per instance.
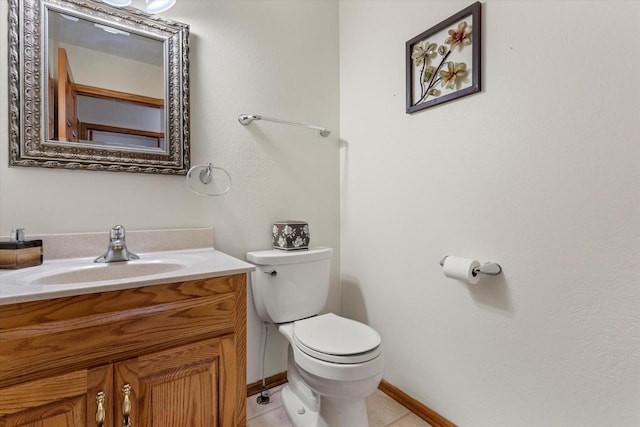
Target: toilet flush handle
(271, 273)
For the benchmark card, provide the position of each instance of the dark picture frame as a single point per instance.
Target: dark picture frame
(443, 63)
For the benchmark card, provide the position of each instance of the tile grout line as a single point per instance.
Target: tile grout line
(397, 419)
(265, 412)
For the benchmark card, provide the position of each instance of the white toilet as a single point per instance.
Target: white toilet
(334, 363)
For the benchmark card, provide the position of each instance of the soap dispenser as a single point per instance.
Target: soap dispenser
(20, 253)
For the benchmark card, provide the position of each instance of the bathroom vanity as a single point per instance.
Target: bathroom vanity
(155, 351)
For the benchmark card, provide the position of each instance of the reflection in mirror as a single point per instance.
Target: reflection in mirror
(114, 86)
(107, 84)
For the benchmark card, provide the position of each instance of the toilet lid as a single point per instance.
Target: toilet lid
(342, 340)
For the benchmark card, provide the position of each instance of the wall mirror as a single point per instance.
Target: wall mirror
(97, 87)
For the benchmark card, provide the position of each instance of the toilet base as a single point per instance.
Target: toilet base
(333, 413)
(299, 414)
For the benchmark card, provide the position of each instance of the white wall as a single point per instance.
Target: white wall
(539, 172)
(277, 58)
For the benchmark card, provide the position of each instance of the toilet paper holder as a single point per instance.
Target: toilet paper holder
(490, 268)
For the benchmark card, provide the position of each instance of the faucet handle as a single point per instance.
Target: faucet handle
(17, 235)
(117, 233)
(117, 250)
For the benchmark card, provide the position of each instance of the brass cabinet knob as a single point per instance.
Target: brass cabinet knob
(100, 409)
(126, 406)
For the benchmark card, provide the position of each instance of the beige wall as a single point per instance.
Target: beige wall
(277, 58)
(539, 172)
(99, 69)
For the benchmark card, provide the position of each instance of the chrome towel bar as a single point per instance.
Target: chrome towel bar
(246, 119)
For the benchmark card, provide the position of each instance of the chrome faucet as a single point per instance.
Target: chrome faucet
(117, 247)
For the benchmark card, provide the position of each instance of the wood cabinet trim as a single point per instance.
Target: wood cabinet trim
(59, 346)
(42, 392)
(240, 355)
(190, 368)
(41, 312)
(100, 341)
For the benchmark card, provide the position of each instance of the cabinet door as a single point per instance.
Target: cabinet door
(60, 401)
(175, 387)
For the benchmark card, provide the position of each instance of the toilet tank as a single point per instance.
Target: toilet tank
(291, 285)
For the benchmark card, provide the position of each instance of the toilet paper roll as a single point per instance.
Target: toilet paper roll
(461, 269)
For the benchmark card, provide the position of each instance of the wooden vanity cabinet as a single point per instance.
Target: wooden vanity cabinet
(168, 355)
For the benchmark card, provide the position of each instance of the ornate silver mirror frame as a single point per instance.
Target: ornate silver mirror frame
(29, 144)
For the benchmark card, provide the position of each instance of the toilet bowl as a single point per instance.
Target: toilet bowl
(340, 372)
(333, 362)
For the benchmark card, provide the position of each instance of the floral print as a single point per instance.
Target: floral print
(423, 51)
(291, 235)
(428, 73)
(461, 36)
(453, 73)
(444, 72)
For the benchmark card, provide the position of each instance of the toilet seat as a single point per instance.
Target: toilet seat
(335, 339)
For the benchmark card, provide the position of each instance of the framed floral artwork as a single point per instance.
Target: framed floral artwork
(443, 63)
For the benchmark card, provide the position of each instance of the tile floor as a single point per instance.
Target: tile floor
(382, 411)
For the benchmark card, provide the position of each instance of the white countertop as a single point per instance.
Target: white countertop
(25, 285)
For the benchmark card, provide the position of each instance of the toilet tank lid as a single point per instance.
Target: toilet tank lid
(279, 257)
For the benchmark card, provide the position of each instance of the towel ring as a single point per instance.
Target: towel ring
(205, 176)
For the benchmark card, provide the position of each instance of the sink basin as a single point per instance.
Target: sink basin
(77, 271)
(77, 276)
(105, 272)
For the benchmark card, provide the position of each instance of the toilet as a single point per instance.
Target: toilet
(334, 363)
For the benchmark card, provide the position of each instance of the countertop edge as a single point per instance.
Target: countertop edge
(231, 266)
